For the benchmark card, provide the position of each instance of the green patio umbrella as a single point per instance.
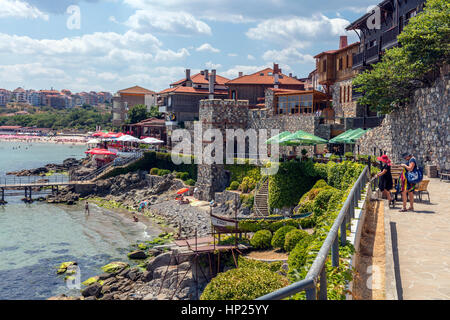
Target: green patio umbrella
(358, 133)
(342, 137)
(302, 138)
(277, 138)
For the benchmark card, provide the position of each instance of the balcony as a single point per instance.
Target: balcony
(389, 39)
(358, 60)
(372, 55)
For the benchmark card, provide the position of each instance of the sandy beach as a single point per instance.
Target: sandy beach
(73, 140)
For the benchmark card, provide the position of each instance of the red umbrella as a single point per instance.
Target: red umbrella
(184, 190)
(97, 151)
(99, 134)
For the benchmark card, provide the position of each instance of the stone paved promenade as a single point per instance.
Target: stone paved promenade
(421, 246)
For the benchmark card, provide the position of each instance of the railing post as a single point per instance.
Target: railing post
(323, 284)
(335, 252)
(343, 232)
(311, 293)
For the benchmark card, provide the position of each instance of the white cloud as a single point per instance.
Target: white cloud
(250, 57)
(207, 47)
(212, 66)
(181, 23)
(232, 55)
(288, 55)
(299, 32)
(130, 46)
(20, 9)
(234, 71)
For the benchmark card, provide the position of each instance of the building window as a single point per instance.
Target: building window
(293, 104)
(340, 94)
(282, 105)
(306, 103)
(340, 64)
(324, 66)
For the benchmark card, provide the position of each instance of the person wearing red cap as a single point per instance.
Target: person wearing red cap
(385, 183)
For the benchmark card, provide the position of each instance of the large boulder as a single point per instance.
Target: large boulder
(94, 290)
(159, 261)
(137, 255)
(115, 267)
(64, 266)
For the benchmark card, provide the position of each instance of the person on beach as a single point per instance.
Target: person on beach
(86, 208)
(135, 218)
(385, 183)
(407, 188)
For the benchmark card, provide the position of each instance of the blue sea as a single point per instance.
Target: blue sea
(36, 238)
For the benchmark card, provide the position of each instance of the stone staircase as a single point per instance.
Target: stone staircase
(261, 206)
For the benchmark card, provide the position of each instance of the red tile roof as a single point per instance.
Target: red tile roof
(200, 79)
(192, 90)
(338, 50)
(136, 90)
(263, 77)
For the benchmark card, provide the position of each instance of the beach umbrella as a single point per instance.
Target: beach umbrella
(151, 141)
(302, 138)
(276, 139)
(184, 190)
(100, 133)
(103, 152)
(349, 137)
(93, 141)
(127, 138)
(340, 138)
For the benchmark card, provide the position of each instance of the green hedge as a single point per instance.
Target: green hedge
(243, 284)
(273, 226)
(292, 181)
(280, 237)
(292, 238)
(261, 239)
(255, 264)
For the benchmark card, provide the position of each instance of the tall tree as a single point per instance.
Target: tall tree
(137, 113)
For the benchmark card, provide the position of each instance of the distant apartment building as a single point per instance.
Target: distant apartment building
(4, 97)
(20, 95)
(252, 87)
(34, 98)
(125, 99)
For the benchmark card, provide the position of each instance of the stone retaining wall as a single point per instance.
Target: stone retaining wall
(421, 128)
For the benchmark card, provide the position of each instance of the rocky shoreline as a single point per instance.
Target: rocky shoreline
(66, 166)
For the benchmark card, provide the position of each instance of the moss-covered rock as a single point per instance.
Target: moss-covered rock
(115, 266)
(64, 266)
(90, 281)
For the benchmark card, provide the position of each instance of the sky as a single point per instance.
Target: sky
(108, 45)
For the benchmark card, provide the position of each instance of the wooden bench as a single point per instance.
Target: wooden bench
(422, 189)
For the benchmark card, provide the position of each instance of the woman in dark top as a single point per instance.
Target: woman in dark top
(408, 188)
(385, 184)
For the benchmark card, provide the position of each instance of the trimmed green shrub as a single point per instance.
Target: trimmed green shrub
(254, 226)
(348, 155)
(292, 238)
(321, 170)
(234, 185)
(248, 184)
(280, 236)
(298, 256)
(190, 182)
(243, 284)
(261, 239)
(255, 264)
(292, 181)
(320, 205)
(184, 176)
(321, 184)
(247, 200)
(154, 171)
(164, 172)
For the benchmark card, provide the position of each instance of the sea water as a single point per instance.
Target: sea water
(35, 238)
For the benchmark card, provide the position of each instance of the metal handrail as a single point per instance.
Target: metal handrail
(23, 181)
(317, 272)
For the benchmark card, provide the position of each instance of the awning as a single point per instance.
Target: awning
(276, 139)
(93, 141)
(349, 137)
(302, 138)
(127, 138)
